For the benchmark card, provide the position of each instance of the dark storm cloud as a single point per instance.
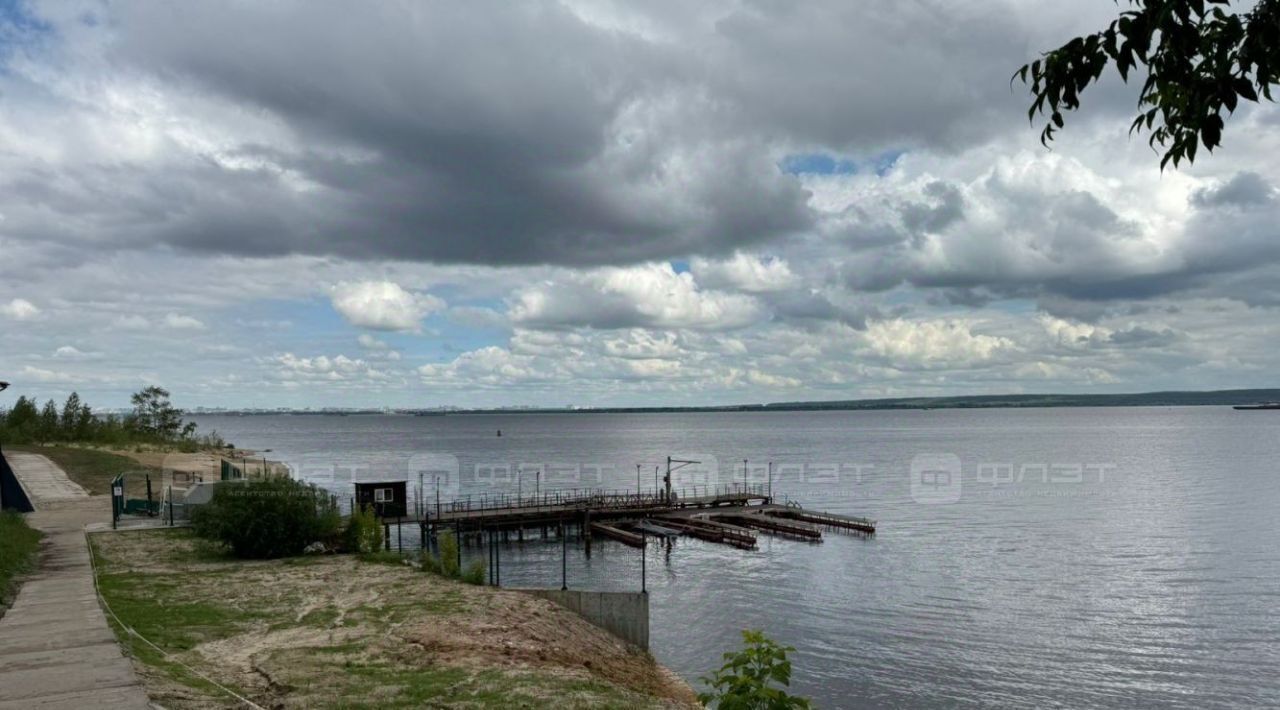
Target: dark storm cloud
(1246, 188)
(506, 133)
(1140, 337)
(996, 237)
(799, 306)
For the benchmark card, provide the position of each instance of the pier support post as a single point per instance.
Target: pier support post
(644, 556)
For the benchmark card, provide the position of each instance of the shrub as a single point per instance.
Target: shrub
(449, 556)
(275, 517)
(747, 679)
(474, 573)
(431, 563)
(363, 534)
(446, 563)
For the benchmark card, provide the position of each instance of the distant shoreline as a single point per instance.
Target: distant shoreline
(1007, 401)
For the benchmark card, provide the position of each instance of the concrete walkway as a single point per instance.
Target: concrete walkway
(56, 650)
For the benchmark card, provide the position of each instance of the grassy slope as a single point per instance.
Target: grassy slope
(91, 468)
(19, 545)
(331, 632)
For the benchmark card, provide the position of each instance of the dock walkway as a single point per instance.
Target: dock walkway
(502, 511)
(728, 514)
(56, 649)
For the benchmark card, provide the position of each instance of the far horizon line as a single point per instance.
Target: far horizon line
(1226, 397)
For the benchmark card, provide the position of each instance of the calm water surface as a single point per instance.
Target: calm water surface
(1081, 558)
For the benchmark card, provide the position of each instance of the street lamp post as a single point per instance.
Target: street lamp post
(667, 480)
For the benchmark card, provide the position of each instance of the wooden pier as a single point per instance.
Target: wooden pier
(763, 520)
(729, 514)
(830, 520)
(625, 537)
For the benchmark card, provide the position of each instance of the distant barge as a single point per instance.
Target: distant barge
(1264, 405)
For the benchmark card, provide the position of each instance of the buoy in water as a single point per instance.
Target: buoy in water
(499, 432)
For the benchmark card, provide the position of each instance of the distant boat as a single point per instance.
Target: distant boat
(1263, 405)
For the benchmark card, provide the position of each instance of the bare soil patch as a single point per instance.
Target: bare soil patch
(336, 631)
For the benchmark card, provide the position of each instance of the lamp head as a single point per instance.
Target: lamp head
(4, 386)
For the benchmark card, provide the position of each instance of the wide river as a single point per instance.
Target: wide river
(1119, 557)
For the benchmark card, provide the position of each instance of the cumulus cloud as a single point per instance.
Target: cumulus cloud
(649, 295)
(744, 272)
(43, 375)
(932, 343)
(20, 309)
(378, 349)
(70, 352)
(182, 322)
(371, 343)
(383, 305)
(324, 368)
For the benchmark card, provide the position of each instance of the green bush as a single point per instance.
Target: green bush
(449, 556)
(275, 517)
(446, 563)
(431, 563)
(363, 534)
(749, 677)
(474, 573)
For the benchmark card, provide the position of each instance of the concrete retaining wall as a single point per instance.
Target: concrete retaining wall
(623, 614)
(12, 495)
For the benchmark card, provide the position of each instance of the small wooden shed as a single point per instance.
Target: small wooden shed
(388, 499)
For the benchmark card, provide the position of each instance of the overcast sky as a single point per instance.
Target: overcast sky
(604, 203)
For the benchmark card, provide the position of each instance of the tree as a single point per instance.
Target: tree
(48, 427)
(22, 421)
(1200, 59)
(749, 677)
(73, 412)
(154, 415)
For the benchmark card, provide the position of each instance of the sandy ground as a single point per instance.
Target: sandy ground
(336, 631)
(203, 465)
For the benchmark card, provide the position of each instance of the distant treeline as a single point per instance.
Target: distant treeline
(989, 401)
(1143, 399)
(153, 421)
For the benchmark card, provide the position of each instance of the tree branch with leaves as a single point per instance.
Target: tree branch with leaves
(1200, 59)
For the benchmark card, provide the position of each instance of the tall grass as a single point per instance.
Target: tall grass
(19, 545)
(446, 564)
